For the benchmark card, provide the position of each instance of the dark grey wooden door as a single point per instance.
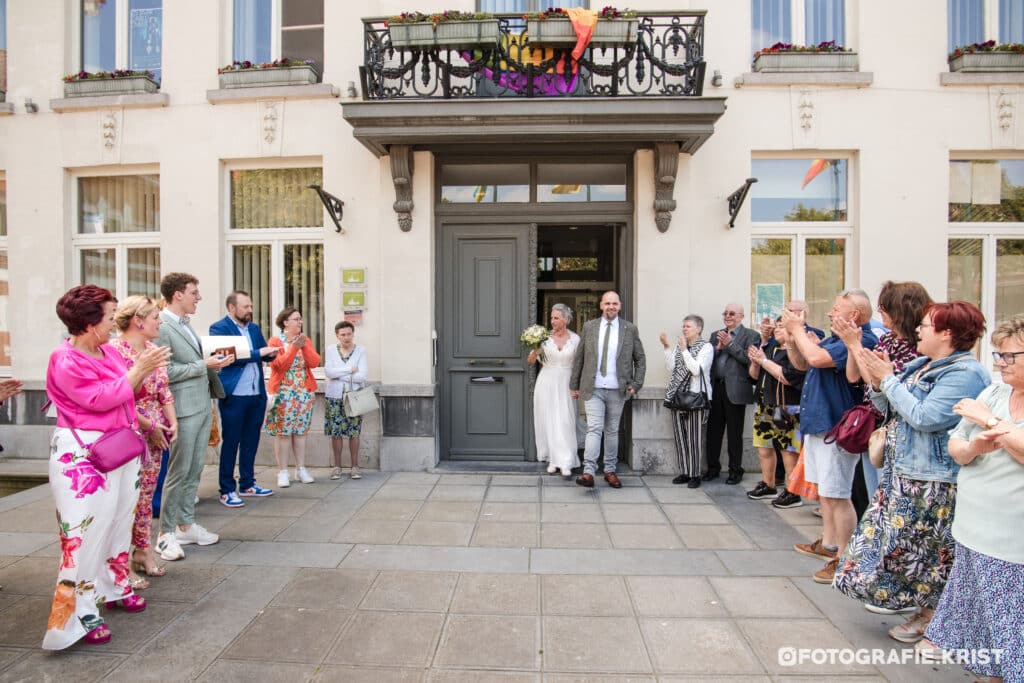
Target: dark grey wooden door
(485, 306)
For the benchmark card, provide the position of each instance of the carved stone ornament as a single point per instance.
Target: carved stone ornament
(401, 175)
(269, 120)
(805, 109)
(108, 129)
(666, 164)
(1004, 109)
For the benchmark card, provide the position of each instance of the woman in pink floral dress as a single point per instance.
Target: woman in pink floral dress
(139, 320)
(94, 393)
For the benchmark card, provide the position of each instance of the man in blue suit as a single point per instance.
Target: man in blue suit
(244, 405)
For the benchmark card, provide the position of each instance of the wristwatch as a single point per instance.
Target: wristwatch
(992, 422)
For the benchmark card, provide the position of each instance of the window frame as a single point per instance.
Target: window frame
(276, 238)
(276, 18)
(798, 25)
(120, 242)
(989, 20)
(122, 30)
(534, 5)
(6, 370)
(798, 232)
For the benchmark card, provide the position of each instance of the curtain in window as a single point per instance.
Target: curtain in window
(3, 204)
(145, 35)
(144, 272)
(99, 35)
(99, 267)
(825, 20)
(824, 275)
(276, 198)
(252, 24)
(119, 204)
(966, 22)
(304, 287)
(252, 273)
(548, 4)
(771, 22)
(5, 326)
(499, 6)
(1011, 21)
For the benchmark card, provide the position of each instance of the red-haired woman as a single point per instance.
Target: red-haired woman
(901, 554)
(94, 393)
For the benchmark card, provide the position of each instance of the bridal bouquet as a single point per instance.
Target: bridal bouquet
(533, 336)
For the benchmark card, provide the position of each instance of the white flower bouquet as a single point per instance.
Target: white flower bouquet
(534, 335)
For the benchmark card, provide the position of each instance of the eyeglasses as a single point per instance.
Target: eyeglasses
(1008, 357)
(729, 314)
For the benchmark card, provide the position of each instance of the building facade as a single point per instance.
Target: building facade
(470, 208)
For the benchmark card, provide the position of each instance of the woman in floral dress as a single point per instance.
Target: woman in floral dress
(94, 393)
(901, 554)
(139, 320)
(293, 387)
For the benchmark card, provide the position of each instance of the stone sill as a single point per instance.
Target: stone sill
(406, 390)
(839, 79)
(92, 102)
(982, 78)
(274, 92)
(6, 108)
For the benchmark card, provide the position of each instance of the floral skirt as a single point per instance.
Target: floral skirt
(291, 413)
(767, 435)
(337, 424)
(902, 551)
(981, 610)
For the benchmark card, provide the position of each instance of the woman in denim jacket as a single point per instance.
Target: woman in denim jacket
(900, 556)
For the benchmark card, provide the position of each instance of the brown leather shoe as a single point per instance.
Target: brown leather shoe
(613, 480)
(586, 480)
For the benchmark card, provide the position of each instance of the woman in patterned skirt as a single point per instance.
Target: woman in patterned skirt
(293, 387)
(139, 320)
(980, 610)
(902, 551)
(346, 370)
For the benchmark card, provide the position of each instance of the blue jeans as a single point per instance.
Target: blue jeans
(604, 413)
(158, 493)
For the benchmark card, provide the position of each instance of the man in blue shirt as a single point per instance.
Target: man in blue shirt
(244, 405)
(825, 397)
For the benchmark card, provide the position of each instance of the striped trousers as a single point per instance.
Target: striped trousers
(689, 429)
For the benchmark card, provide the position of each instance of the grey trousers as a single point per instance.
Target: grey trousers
(604, 413)
(184, 467)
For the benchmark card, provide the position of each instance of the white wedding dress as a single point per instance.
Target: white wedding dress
(554, 410)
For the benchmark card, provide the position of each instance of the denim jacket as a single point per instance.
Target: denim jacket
(924, 413)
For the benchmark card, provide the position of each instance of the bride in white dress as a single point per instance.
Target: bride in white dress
(554, 410)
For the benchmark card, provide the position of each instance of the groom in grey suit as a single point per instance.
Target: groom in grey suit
(608, 369)
(194, 383)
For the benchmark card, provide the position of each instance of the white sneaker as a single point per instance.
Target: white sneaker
(169, 548)
(885, 610)
(302, 475)
(282, 479)
(195, 534)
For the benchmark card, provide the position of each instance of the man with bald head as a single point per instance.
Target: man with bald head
(825, 397)
(732, 390)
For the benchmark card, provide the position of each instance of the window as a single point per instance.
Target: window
(503, 6)
(5, 326)
(117, 236)
(265, 30)
(985, 250)
(801, 22)
(275, 240)
(801, 230)
(975, 21)
(122, 34)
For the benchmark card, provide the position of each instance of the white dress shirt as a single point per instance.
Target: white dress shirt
(609, 380)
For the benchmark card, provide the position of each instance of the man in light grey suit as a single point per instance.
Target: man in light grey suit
(608, 369)
(194, 383)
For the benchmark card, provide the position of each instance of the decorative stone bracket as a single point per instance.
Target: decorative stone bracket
(401, 175)
(666, 164)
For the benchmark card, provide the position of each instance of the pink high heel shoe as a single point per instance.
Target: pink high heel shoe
(132, 603)
(99, 635)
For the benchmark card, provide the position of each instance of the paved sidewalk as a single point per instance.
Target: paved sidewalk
(461, 577)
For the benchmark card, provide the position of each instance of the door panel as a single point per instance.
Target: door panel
(484, 310)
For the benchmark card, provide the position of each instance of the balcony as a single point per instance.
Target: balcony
(662, 56)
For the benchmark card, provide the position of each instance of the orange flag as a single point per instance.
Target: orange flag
(817, 166)
(583, 23)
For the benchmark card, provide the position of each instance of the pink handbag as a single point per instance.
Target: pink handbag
(114, 448)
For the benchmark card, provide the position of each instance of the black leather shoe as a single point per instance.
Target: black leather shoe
(694, 483)
(586, 480)
(710, 476)
(681, 479)
(734, 478)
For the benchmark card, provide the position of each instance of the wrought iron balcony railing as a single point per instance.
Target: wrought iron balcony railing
(662, 55)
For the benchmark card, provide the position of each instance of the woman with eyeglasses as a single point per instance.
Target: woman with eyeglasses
(901, 553)
(982, 605)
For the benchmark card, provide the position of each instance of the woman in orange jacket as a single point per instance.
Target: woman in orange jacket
(293, 387)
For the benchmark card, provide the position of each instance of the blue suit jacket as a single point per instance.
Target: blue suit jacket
(230, 375)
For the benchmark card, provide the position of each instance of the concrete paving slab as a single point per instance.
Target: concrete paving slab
(713, 537)
(254, 528)
(516, 480)
(9, 655)
(17, 543)
(633, 513)
(657, 536)
(289, 634)
(674, 596)
(376, 531)
(681, 494)
(767, 562)
(438, 533)
(715, 646)
(420, 478)
(574, 536)
(403, 510)
(68, 666)
(425, 558)
(478, 676)
(601, 596)
(471, 493)
(694, 514)
(30, 576)
(571, 513)
(326, 589)
(497, 594)
(448, 511)
(466, 480)
(410, 591)
(475, 641)
(282, 554)
(564, 494)
(763, 597)
(366, 674)
(625, 562)
(627, 494)
(391, 491)
(581, 644)
(768, 638)
(131, 632)
(509, 512)
(512, 494)
(240, 671)
(388, 639)
(594, 678)
(506, 535)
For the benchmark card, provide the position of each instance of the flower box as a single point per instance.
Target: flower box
(445, 33)
(271, 76)
(131, 85)
(780, 62)
(988, 61)
(561, 32)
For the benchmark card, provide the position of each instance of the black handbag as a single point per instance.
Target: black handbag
(687, 400)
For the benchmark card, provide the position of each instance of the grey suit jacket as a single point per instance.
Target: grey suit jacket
(739, 387)
(192, 383)
(630, 362)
